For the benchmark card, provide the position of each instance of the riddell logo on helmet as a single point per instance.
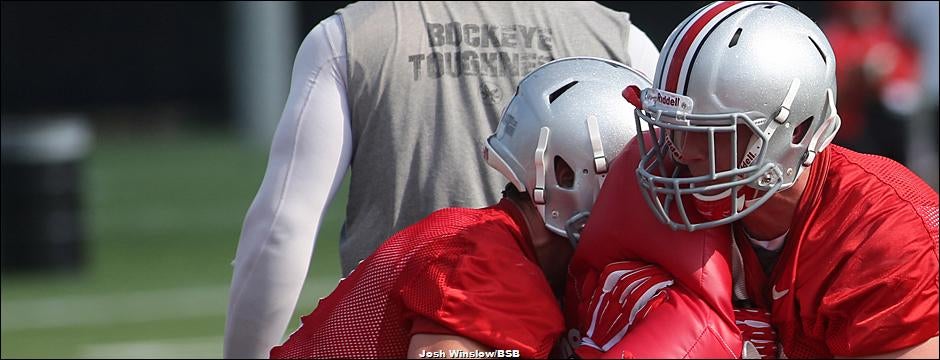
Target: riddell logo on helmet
(748, 159)
(654, 97)
(667, 100)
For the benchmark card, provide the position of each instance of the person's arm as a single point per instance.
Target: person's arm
(309, 156)
(643, 53)
(926, 350)
(874, 305)
(439, 346)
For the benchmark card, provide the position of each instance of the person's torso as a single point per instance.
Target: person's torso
(861, 220)
(426, 84)
(415, 273)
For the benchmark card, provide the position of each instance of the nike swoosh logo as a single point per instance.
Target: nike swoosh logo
(778, 294)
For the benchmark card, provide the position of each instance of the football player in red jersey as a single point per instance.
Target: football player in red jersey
(488, 279)
(841, 248)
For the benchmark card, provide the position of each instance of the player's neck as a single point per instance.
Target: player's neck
(773, 218)
(552, 252)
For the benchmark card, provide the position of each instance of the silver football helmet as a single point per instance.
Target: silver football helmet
(555, 140)
(759, 73)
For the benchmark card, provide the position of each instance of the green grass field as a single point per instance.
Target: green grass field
(163, 217)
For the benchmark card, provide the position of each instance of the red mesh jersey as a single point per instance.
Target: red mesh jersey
(858, 274)
(469, 272)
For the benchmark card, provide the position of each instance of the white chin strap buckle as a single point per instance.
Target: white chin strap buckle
(538, 193)
(600, 160)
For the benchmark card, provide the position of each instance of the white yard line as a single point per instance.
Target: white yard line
(98, 309)
(187, 348)
(134, 307)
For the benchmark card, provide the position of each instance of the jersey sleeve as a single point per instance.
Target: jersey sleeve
(485, 291)
(885, 297)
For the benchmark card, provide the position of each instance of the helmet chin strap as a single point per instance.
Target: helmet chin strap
(575, 225)
(716, 197)
(715, 207)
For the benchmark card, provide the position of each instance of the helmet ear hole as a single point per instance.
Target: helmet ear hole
(564, 174)
(800, 132)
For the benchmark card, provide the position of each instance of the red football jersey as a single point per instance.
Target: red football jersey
(466, 272)
(858, 274)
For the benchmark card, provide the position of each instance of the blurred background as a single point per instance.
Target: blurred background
(135, 135)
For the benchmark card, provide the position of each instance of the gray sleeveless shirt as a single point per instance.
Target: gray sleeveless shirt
(426, 84)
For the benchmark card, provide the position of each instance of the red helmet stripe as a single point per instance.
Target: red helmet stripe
(678, 57)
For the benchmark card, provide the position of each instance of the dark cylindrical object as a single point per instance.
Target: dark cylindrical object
(41, 205)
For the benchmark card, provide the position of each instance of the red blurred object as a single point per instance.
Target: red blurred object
(871, 57)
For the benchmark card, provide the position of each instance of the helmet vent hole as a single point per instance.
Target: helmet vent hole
(554, 95)
(800, 132)
(734, 39)
(817, 48)
(564, 174)
(771, 6)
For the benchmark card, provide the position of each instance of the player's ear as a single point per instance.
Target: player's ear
(564, 174)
